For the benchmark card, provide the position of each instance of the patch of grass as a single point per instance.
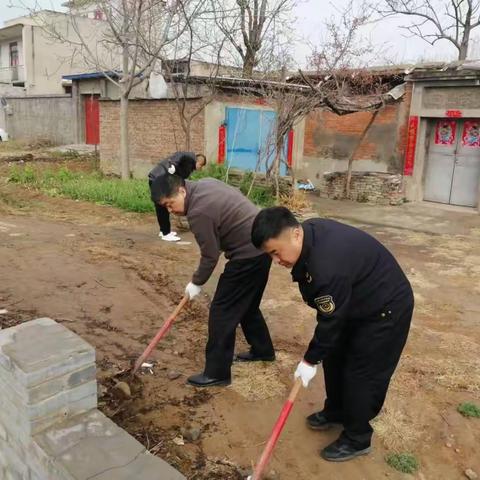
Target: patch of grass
(26, 175)
(130, 195)
(211, 170)
(259, 195)
(397, 431)
(295, 201)
(468, 409)
(403, 462)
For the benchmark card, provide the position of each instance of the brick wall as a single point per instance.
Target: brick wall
(330, 139)
(155, 132)
(368, 187)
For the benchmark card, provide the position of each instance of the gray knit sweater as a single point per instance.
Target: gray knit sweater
(221, 219)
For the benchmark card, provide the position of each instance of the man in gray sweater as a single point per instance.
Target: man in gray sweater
(221, 219)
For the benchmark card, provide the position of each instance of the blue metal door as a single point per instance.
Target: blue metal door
(251, 139)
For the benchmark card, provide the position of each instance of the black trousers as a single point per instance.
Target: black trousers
(236, 302)
(358, 371)
(163, 218)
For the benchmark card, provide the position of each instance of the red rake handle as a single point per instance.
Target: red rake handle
(277, 430)
(160, 334)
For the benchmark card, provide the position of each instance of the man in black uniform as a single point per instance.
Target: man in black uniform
(181, 164)
(364, 305)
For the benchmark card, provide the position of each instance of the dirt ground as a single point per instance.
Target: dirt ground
(105, 274)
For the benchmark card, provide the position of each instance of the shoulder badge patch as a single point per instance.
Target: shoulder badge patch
(325, 304)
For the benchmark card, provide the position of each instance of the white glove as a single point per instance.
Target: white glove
(306, 372)
(192, 290)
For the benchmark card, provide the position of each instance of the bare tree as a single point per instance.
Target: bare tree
(125, 46)
(197, 43)
(339, 85)
(435, 20)
(253, 26)
(292, 103)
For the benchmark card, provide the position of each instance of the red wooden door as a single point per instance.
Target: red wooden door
(92, 120)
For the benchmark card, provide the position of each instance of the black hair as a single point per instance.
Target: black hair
(202, 157)
(165, 186)
(270, 223)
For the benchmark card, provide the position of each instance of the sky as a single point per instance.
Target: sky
(311, 15)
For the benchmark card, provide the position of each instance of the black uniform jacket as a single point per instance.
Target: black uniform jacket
(346, 276)
(180, 163)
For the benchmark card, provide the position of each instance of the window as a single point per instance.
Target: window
(175, 67)
(13, 54)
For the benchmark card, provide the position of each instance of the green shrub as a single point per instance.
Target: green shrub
(469, 410)
(403, 462)
(211, 170)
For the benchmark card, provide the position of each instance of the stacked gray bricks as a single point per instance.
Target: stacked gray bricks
(369, 187)
(50, 428)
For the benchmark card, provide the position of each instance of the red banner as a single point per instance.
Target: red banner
(222, 133)
(290, 149)
(471, 133)
(411, 143)
(445, 132)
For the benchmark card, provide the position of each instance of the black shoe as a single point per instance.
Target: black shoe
(342, 450)
(318, 421)
(251, 357)
(202, 380)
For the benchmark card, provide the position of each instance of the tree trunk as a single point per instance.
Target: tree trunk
(248, 64)
(124, 94)
(276, 167)
(352, 155)
(188, 134)
(463, 50)
(124, 144)
(467, 30)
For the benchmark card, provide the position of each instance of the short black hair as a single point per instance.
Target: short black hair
(270, 223)
(165, 186)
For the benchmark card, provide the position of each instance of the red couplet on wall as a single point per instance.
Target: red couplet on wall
(290, 148)
(411, 143)
(222, 132)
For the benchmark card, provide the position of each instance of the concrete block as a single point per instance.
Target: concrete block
(3, 432)
(40, 350)
(25, 420)
(49, 388)
(145, 467)
(49, 426)
(14, 465)
(91, 445)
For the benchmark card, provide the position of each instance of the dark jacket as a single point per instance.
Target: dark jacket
(221, 219)
(180, 163)
(347, 276)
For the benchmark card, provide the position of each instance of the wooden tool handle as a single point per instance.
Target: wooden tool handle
(277, 430)
(160, 334)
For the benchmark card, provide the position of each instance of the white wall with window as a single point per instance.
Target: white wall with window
(11, 60)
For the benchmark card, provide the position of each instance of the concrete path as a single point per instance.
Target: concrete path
(418, 217)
